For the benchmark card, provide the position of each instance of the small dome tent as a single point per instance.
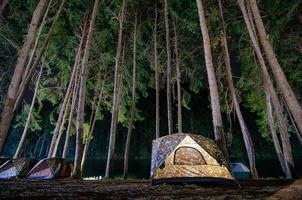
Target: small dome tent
(51, 168)
(188, 158)
(241, 171)
(16, 168)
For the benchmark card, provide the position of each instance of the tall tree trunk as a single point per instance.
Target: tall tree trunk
(8, 109)
(116, 95)
(268, 83)
(3, 4)
(61, 129)
(275, 138)
(133, 107)
(281, 80)
(74, 73)
(77, 172)
(29, 117)
(34, 48)
(215, 104)
(92, 125)
(71, 113)
(157, 119)
(169, 102)
(32, 66)
(245, 132)
(76, 82)
(178, 80)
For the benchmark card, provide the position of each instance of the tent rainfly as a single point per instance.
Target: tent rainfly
(16, 168)
(240, 171)
(51, 168)
(188, 158)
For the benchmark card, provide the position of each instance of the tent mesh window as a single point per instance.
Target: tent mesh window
(188, 156)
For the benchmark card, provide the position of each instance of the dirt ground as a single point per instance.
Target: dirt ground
(141, 189)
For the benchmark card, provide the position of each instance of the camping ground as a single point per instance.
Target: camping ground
(141, 189)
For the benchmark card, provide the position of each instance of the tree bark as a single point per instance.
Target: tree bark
(178, 80)
(169, 103)
(275, 138)
(268, 83)
(133, 107)
(116, 95)
(245, 132)
(215, 104)
(157, 118)
(8, 109)
(34, 48)
(32, 66)
(66, 98)
(29, 117)
(77, 172)
(288, 93)
(77, 65)
(92, 125)
(61, 129)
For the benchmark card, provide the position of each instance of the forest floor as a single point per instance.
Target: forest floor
(141, 189)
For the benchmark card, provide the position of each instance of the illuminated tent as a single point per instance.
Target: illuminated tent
(240, 171)
(51, 168)
(16, 168)
(188, 158)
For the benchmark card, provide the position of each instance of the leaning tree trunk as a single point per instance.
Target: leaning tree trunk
(268, 84)
(61, 129)
(8, 109)
(178, 80)
(276, 142)
(77, 172)
(32, 66)
(157, 119)
(77, 65)
(215, 104)
(168, 48)
(133, 107)
(288, 93)
(29, 117)
(34, 48)
(60, 120)
(245, 132)
(95, 112)
(116, 93)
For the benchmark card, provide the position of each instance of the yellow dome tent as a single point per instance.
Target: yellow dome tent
(188, 158)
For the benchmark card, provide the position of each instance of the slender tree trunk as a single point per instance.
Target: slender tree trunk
(92, 125)
(268, 83)
(8, 109)
(61, 129)
(3, 5)
(245, 132)
(281, 80)
(215, 104)
(157, 118)
(169, 103)
(75, 91)
(60, 120)
(116, 96)
(32, 66)
(29, 117)
(34, 48)
(77, 172)
(276, 142)
(178, 80)
(133, 107)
